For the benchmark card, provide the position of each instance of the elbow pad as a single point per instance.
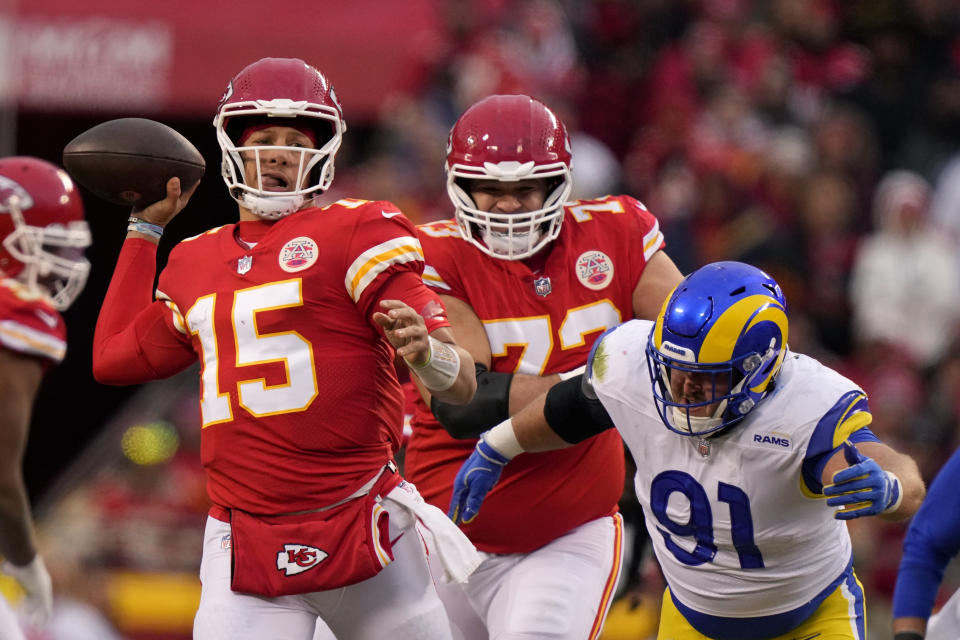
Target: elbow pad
(489, 407)
(572, 414)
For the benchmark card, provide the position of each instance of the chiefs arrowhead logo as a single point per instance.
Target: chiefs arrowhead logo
(297, 558)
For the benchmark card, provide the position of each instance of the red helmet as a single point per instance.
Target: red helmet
(281, 91)
(509, 138)
(42, 229)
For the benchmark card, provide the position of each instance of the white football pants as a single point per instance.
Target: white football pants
(399, 602)
(945, 624)
(561, 591)
(9, 627)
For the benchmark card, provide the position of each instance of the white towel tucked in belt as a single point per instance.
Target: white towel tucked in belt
(457, 554)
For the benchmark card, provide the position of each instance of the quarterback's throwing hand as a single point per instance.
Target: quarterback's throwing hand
(474, 481)
(863, 488)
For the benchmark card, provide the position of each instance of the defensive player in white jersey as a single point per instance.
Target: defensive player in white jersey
(530, 281)
(42, 271)
(733, 488)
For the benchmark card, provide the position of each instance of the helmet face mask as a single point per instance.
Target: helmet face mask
(726, 326)
(279, 92)
(509, 139)
(43, 231)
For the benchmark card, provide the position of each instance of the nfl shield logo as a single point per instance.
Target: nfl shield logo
(244, 264)
(542, 286)
(703, 447)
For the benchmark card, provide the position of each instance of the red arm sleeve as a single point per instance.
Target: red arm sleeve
(408, 287)
(133, 342)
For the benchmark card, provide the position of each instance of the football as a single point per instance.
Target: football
(128, 161)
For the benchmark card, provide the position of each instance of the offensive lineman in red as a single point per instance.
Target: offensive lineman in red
(42, 271)
(294, 314)
(530, 281)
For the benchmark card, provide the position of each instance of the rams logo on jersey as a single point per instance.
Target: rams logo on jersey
(772, 439)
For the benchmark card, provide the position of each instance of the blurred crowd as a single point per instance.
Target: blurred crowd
(817, 139)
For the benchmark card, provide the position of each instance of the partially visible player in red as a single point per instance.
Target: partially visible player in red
(530, 281)
(294, 314)
(42, 271)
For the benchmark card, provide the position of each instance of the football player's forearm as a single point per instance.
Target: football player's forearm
(524, 389)
(916, 625)
(20, 378)
(465, 384)
(487, 408)
(532, 430)
(131, 288)
(559, 418)
(913, 489)
(16, 526)
(906, 470)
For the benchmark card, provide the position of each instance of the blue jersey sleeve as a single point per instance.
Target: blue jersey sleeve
(848, 419)
(933, 539)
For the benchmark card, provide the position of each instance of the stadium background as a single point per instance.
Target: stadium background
(754, 130)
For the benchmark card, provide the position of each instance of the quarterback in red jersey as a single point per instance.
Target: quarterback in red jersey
(42, 271)
(295, 314)
(530, 281)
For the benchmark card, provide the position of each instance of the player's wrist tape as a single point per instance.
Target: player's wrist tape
(503, 439)
(142, 226)
(566, 375)
(442, 367)
(908, 635)
(897, 496)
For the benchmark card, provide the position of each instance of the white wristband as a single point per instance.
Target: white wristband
(566, 375)
(503, 439)
(899, 485)
(442, 367)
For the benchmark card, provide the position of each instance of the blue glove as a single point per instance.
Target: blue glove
(863, 488)
(474, 481)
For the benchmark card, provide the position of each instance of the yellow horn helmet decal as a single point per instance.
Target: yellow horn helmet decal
(658, 325)
(737, 320)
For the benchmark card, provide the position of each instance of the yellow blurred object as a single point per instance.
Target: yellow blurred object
(10, 589)
(155, 602)
(636, 624)
(148, 444)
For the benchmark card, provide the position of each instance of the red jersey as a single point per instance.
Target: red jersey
(299, 398)
(538, 323)
(29, 324)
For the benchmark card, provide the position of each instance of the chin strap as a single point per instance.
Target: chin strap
(505, 244)
(273, 207)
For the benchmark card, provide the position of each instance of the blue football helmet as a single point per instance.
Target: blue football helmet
(726, 322)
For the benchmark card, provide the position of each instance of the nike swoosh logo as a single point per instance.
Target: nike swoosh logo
(48, 319)
(810, 637)
(390, 214)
